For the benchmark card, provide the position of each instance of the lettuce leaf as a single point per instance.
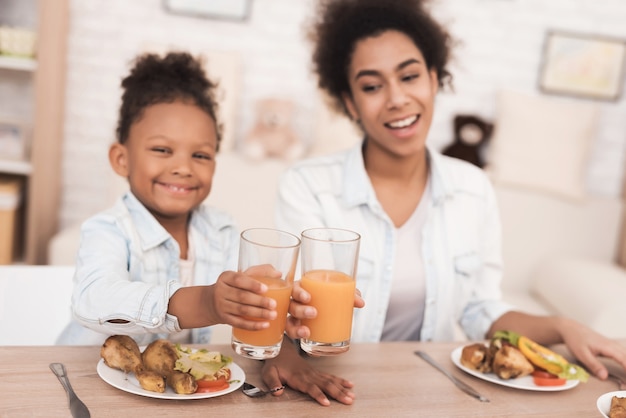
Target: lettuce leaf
(200, 363)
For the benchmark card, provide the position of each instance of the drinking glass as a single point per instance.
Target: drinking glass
(269, 256)
(329, 262)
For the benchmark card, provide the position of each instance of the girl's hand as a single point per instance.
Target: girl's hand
(236, 297)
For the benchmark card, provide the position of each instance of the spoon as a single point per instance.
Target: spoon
(254, 392)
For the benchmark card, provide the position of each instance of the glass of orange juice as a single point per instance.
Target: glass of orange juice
(329, 261)
(269, 256)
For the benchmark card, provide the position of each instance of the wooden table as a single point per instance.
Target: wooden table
(390, 382)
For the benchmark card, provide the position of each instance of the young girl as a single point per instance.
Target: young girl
(159, 264)
(430, 262)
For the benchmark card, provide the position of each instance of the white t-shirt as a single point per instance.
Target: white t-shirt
(405, 312)
(186, 279)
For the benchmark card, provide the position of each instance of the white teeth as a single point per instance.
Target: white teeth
(403, 123)
(177, 189)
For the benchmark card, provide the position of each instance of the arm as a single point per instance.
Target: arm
(584, 343)
(115, 293)
(232, 298)
(105, 295)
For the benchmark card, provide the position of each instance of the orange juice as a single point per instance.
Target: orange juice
(280, 291)
(332, 294)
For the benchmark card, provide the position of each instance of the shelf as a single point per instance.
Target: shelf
(15, 167)
(16, 63)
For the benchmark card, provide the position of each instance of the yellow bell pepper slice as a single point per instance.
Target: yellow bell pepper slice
(541, 356)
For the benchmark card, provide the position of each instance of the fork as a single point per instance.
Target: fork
(254, 392)
(620, 382)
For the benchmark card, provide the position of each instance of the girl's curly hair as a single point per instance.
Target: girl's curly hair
(154, 79)
(340, 24)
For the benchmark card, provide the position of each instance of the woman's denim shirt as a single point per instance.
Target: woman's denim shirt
(128, 268)
(461, 244)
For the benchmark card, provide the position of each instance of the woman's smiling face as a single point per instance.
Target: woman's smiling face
(392, 93)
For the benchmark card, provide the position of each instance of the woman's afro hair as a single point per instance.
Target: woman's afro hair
(340, 24)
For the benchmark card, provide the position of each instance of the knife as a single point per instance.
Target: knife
(77, 407)
(459, 383)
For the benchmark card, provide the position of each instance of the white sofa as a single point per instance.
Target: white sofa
(559, 257)
(34, 303)
(558, 254)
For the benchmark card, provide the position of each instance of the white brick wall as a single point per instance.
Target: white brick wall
(502, 43)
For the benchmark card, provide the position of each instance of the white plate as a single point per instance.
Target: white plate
(128, 383)
(525, 383)
(604, 401)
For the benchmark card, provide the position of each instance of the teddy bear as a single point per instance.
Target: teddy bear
(471, 135)
(272, 136)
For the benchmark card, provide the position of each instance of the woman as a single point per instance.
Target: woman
(430, 263)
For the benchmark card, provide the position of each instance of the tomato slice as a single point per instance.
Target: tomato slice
(209, 390)
(543, 378)
(225, 386)
(212, 383)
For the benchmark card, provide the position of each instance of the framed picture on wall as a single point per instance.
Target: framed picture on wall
(212, 9)
(583, 65)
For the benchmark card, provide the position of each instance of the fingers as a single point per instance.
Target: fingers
(300, 311)
(588, 346)
(609, 349)
(271, 378)
(294, 371)
(320, 386)
(238, 300)
(316, 393)
(593, 365)
(243, 282)
(359, 302)
(299, 294)
(295, 329)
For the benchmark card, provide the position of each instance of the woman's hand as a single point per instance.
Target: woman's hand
(298, 310)
(587, 346)
(292, 370)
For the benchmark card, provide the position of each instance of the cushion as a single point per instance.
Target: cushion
(589, 291)
(542, 143)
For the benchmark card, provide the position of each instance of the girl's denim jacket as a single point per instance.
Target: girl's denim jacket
(127, 268)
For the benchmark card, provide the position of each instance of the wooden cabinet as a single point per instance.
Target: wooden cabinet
(41, 167)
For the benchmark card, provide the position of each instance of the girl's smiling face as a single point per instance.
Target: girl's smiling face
(392, 93)
(169, 159)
